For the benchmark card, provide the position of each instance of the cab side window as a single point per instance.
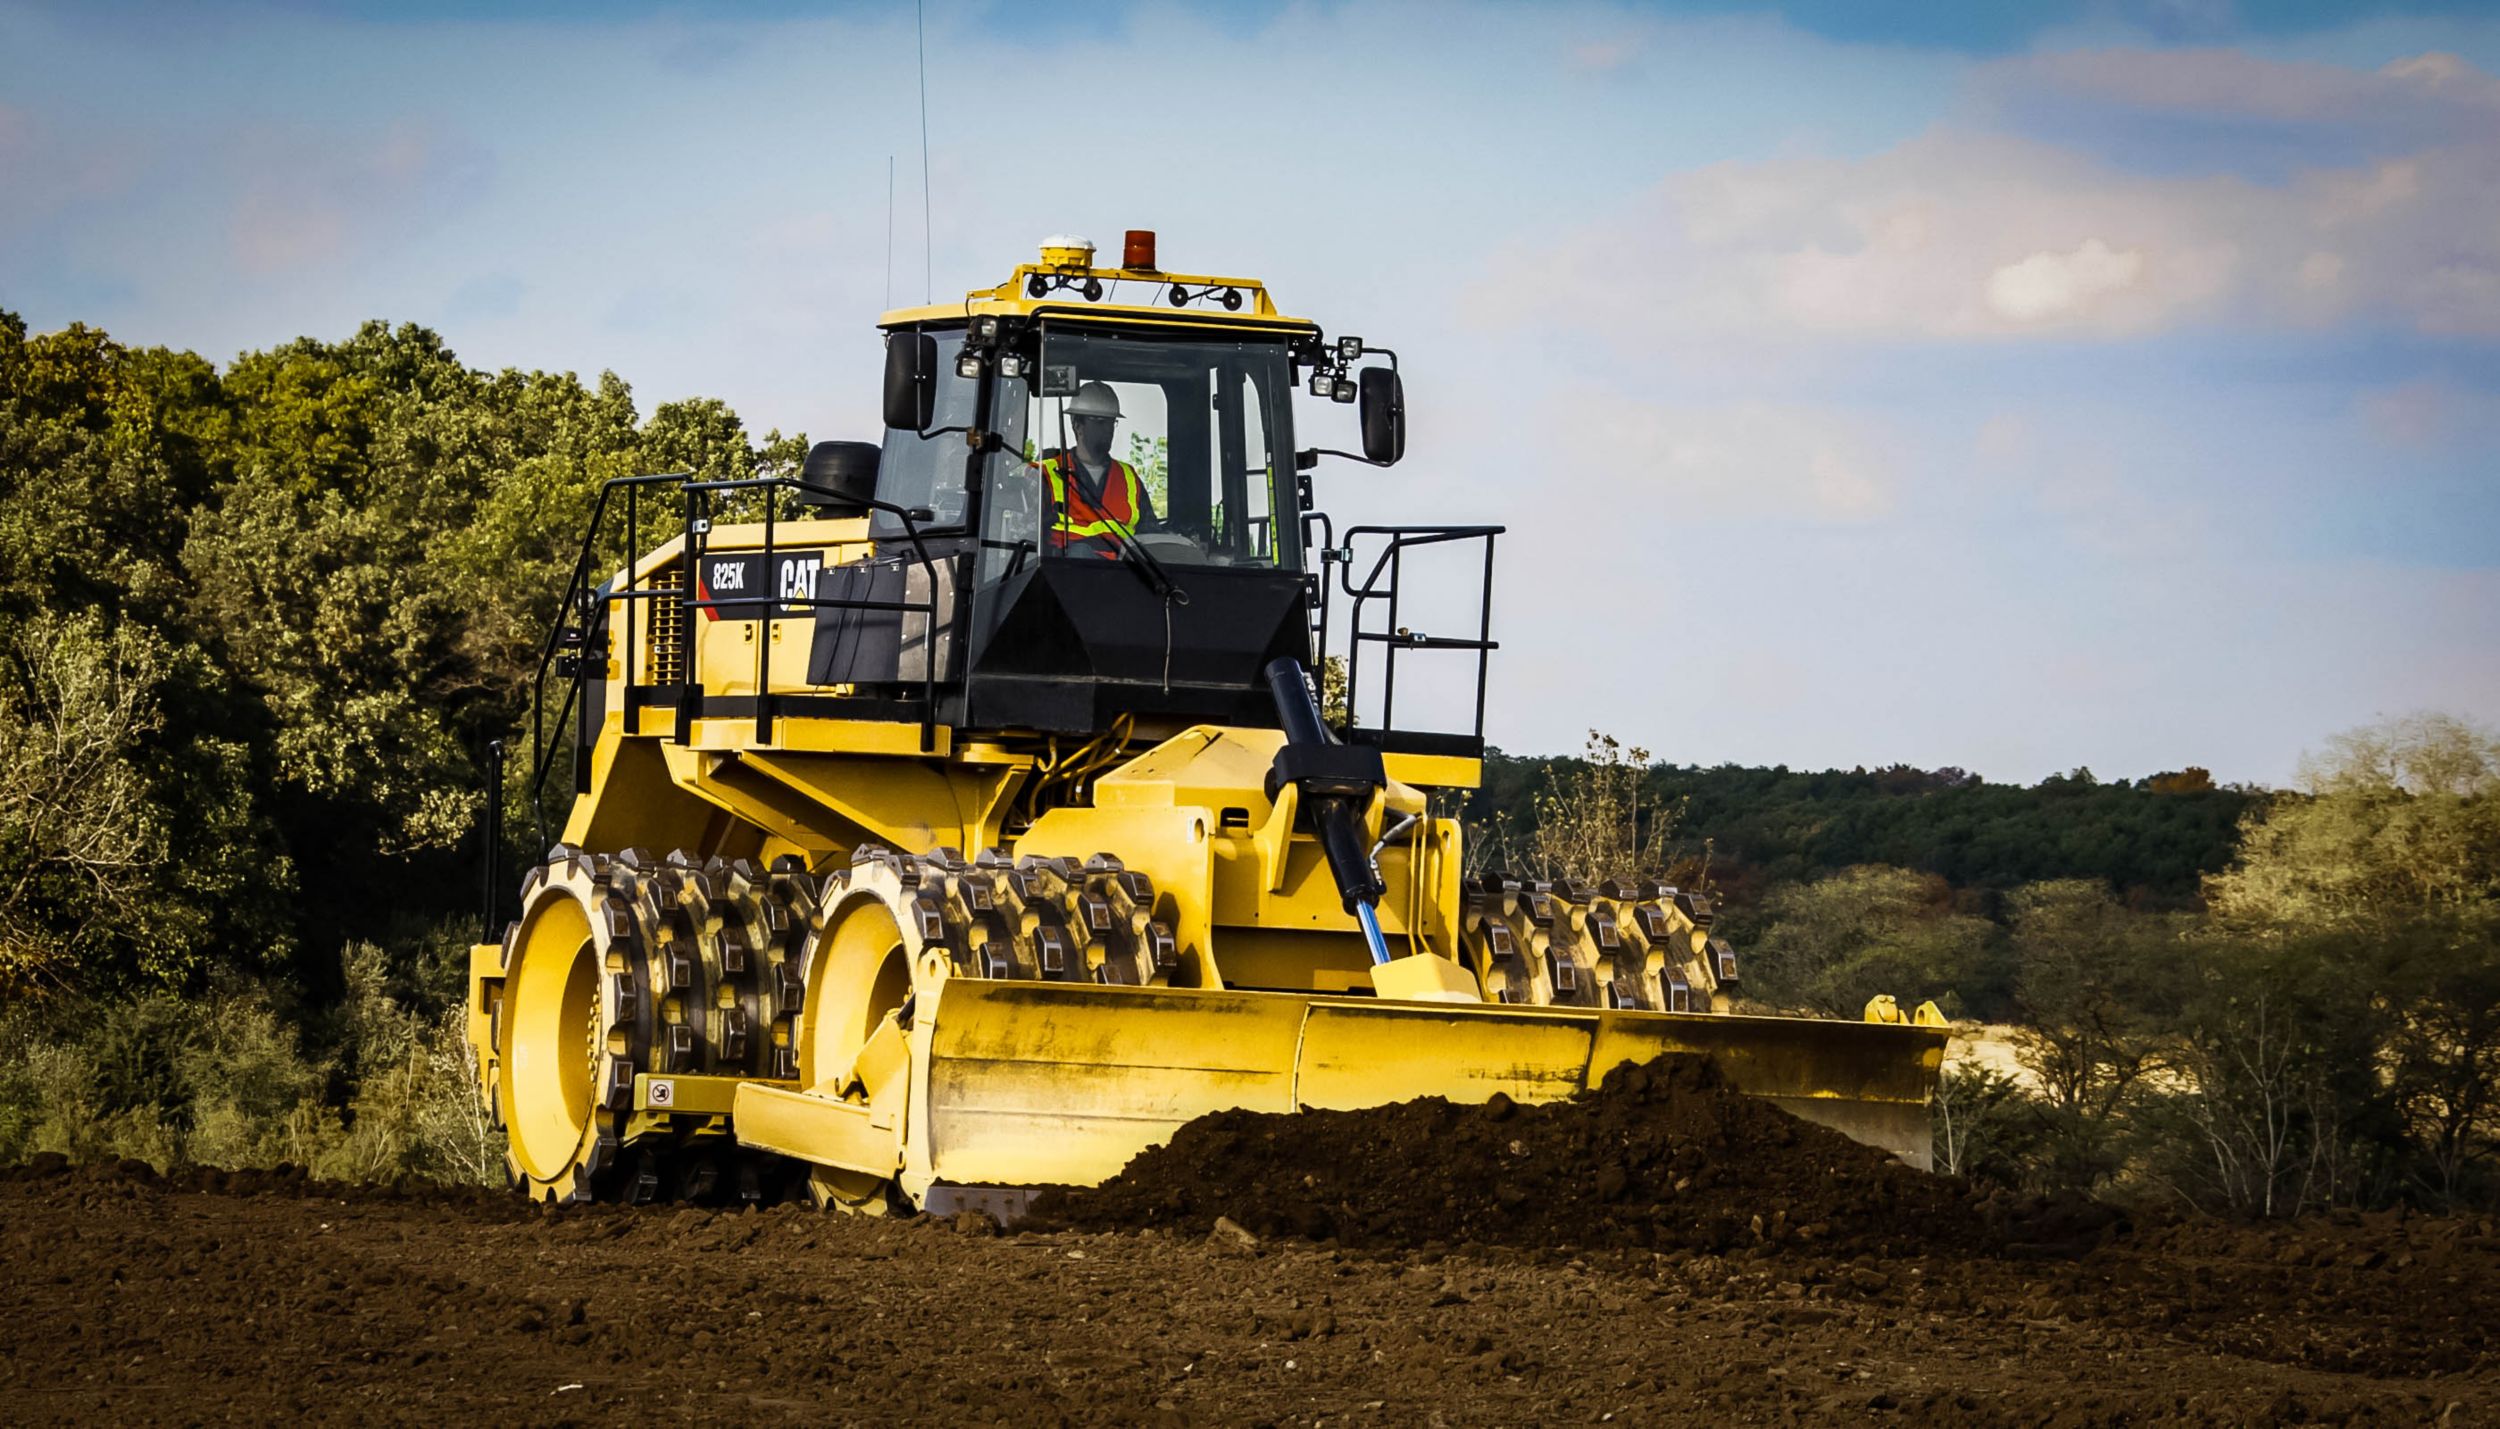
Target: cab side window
(929, 471)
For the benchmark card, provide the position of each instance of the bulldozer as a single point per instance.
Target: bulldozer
(961, 815)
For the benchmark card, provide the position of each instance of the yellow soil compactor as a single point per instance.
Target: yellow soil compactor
(958, 817)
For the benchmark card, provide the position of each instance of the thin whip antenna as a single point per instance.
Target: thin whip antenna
(889, 232)
(928, 269)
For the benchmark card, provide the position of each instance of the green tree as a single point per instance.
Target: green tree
(101, 457)
(2382, 876)
(105, 453)
(2395, 818)
(506, 567)
(1832, 945)
(313, 574)
(2440, 994)
(2275, 1106)
(2091, 989)
(700, 435)
(1986, 1126)
(81, 840)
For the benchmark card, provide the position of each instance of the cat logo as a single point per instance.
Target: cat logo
(797, 581)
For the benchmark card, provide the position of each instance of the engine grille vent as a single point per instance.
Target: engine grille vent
(663, 659)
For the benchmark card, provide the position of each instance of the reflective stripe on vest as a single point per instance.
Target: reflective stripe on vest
(1080, 519)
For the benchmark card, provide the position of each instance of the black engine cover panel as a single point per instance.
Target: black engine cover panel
(1079, 643)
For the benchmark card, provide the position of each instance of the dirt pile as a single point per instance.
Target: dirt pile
(1664, 1157)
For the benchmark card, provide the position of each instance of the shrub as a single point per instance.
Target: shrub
(1988, 1127)
(225, 1080)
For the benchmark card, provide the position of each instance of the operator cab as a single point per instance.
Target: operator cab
(1101, 498)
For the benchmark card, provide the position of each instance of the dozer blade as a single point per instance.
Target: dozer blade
(1034, 1083)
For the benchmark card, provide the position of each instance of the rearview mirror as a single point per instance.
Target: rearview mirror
(910, 380)
(1384, 415)
(845, 475)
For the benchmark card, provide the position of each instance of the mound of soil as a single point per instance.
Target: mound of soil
(1665, 1156)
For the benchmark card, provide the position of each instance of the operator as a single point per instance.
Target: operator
(1097, 498)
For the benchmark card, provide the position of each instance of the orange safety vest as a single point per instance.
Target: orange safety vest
(1079, 520)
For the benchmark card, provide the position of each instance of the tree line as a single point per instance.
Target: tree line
(2151, 840)
(258, 624)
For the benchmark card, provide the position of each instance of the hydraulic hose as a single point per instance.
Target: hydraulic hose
(1336, 783)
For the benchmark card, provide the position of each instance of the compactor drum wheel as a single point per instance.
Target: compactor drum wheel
(626, 965)
(894, 926)
(1623, 943)
(570, 1018)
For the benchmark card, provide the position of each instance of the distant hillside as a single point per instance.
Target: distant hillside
(2151, 840)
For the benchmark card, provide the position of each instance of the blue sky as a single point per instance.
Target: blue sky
(2010, 386)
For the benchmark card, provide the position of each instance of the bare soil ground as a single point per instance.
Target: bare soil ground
(1437, 1290)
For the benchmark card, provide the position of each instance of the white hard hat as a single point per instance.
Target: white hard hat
(1094, 399)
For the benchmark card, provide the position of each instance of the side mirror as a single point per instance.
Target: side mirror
(910, 381)
(846, 470)
(1383, 411)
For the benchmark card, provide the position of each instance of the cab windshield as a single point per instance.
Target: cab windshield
(1182, 445)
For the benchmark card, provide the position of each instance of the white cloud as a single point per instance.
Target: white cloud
(2052, 286)
(1965, 233)
(2445, 74)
